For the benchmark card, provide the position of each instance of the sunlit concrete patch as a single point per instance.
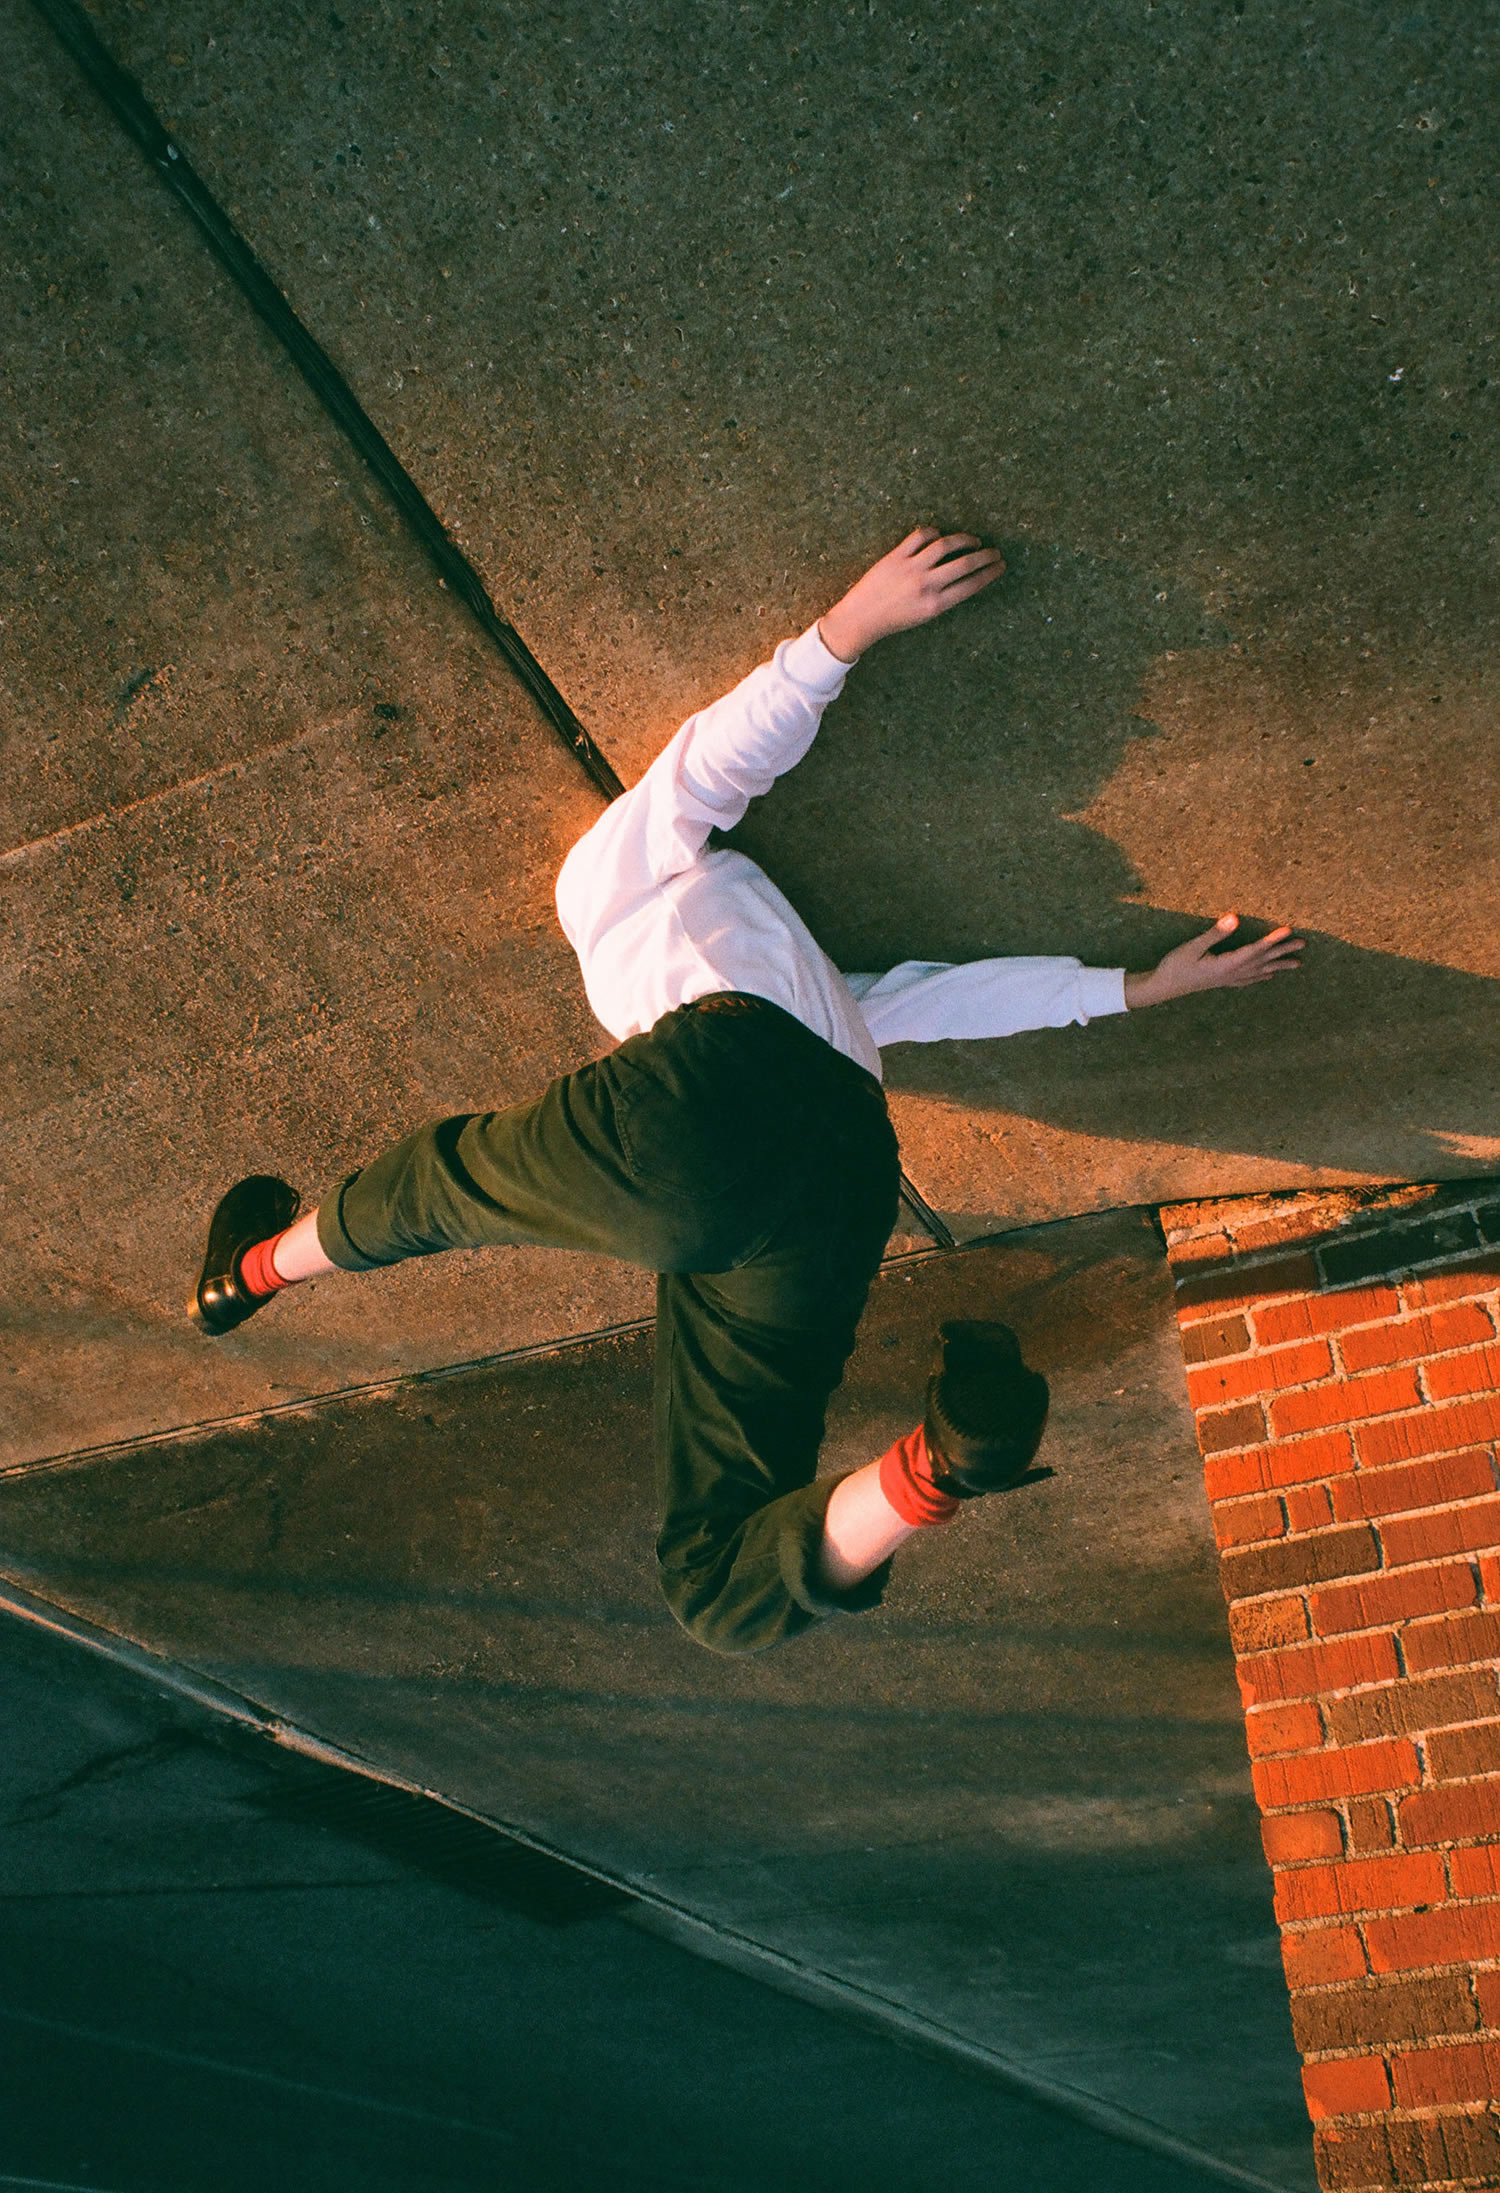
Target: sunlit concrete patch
(677, 323)
(1016, 1800)
(985, 1171)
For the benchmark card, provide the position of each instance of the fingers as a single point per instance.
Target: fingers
(974, 584)
(938, 546)
(1278, 953)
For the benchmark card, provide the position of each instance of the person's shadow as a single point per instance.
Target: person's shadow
(933, 820)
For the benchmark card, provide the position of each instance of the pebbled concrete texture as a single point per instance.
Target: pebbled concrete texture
(1015, 1800)
(678, 315)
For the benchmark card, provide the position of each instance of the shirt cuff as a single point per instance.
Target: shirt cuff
(1101, 990)
(812, 664)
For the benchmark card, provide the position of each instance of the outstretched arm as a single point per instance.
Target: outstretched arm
(1197, 966)
(916, 581)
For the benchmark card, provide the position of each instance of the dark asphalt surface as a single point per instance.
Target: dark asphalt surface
(202, 1989)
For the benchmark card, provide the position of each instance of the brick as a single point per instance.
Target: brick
(1489, 1577)
(1410, 1707)
(1322, 1956)
(1371, 1827)
(1277, 1729)
(1429, 1431)
(1475, 1871)
(1213, 1385)
(1308, 1507)
(1313, 1776)
(1396, 1248)
(1383, 2010)
(1224, 1292)
(1257, 1625)
(1465, 2071)
(1477, 1370)
(1345, 2087)
(1316, 1559)
(1454, 1754)
(1454, 1935)
(1267, 1229)
(1193, 1245)
(1411, 1339)
(1290, 1838)
(1451, 1642)
(1289, 1462)
(1221, 1429)
(1392, 1598)
(1333, 1312)
(1296, 1461)
(1409, 1485)
(1344, 1401)
(1215, 1337)
(1354, 2158)
(1360, 1884)
(1227, 1476)
(1488, 1220)
(1300, 1671)
(1477, 1275)
(1439, 2150)
(1247, 1522)
(1451, 1812)
(1463, 1529)
(1487, 1988)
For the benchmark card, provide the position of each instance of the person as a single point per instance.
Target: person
(736, 1143)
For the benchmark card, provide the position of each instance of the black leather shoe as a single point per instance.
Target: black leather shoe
(253, 1210)
(985, 1410)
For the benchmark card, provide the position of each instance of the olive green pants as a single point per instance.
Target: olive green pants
(754, 1169)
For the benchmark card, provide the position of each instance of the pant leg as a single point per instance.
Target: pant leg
(675, 1152)
(746, 1362)
(753, 1167)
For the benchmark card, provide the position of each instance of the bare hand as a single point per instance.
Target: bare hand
(1197, 966)
(917, 580)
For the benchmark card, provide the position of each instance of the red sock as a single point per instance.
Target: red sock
(257, 1274)
(906, 1481)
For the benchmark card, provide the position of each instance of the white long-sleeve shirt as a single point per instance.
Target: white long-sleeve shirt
(656, 920)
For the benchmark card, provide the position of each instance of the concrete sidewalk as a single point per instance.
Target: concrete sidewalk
(1014, 1806)
(217, 1973)
(677, 321)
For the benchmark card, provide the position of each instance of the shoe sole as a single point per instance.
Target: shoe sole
(291, 1204)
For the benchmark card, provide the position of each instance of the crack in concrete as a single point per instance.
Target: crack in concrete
(105, 1766)
(69, 830)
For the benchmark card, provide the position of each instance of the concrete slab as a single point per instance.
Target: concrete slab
(677, 321)
(218, 1968)
(1015, 1802)
(681, 317)
(280, 834)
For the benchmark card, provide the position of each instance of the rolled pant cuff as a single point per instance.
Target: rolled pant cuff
(800, 1548)
(334, 1238)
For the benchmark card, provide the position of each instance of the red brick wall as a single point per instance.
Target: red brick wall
(1343, 1361)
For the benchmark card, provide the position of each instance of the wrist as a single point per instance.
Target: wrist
(841, 634)
(1142, 990)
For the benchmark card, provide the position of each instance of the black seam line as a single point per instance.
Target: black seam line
(128, 103)
(648, 1908)
(926, 1217)
(126, 100)
(76, 1457)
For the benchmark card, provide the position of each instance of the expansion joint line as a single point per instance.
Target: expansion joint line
(131, 108)
(123, 95)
